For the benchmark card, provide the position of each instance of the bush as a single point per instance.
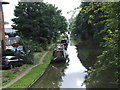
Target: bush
(8, 53)
(29, 58)
(29, 48)
(44, 46)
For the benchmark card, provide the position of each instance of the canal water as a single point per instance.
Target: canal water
(64, 75)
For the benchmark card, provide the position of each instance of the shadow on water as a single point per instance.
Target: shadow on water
(70, 74)
(52, 77)
(88, 57)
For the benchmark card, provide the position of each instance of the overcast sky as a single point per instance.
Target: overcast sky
(64, 5)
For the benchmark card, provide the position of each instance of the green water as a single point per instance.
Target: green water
(64, 75)
(72, 73)
(88, 57)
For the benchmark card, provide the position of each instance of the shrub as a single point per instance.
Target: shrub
(8, 52)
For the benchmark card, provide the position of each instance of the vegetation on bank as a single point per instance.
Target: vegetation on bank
(29, 78)
(38, 24)
(9, 75)
(97, 23)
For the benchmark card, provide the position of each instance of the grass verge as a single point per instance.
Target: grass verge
(37, 58)
(9, 75)
(29, 78)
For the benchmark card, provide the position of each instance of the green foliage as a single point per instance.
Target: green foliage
(98, 21)
(29, 49)
(8, 53)
(39, 22)
(11, 74)
(29, 78)
(11, 34)
(38, 25)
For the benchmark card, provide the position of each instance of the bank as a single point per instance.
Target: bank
(35, 72)
(88, 54)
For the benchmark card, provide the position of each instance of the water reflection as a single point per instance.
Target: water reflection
(88, 57)
(75, 73)
(53, 76)
(64, 75)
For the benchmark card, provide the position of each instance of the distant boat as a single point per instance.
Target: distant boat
(59, 54)
(65, 42)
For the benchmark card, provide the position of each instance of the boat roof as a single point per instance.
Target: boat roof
(58, 49)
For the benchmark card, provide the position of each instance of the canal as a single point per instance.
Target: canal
(64, 75)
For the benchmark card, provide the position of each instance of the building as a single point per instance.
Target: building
(10, 30)
(0, 43)
(2, 32)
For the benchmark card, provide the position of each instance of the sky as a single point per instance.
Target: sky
(64, 5)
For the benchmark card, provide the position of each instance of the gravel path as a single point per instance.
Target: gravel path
(27, 71)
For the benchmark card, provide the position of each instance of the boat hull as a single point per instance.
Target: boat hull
(58, 59)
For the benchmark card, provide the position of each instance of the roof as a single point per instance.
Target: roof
(4, 2)
(58, 50)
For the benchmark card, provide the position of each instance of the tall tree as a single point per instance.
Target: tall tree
(100, 22)
(39, 21)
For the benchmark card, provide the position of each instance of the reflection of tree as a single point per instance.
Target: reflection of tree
(53, 76)
(88, 55)
(104, 80)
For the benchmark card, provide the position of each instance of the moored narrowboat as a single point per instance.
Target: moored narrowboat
(59, 54)
(64, 41)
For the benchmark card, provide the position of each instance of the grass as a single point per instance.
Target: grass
(29, 78)
(37, 58)
(9, 75)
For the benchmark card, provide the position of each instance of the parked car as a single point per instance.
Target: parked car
(59, 54)
(11, 48)
(20, 48)
(11, 61)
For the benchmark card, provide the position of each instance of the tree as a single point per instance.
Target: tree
(99, 22)
(38, 25)
(41, 20)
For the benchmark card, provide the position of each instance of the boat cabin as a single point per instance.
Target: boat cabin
(65, 43)
(59, 54)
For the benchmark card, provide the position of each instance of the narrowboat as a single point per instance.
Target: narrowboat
(59, 54)
(65, 41)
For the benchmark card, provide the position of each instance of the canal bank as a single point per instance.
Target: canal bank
(64, 75)
(28, 77)
(88, 55)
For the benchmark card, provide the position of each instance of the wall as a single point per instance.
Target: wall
(2, 32)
